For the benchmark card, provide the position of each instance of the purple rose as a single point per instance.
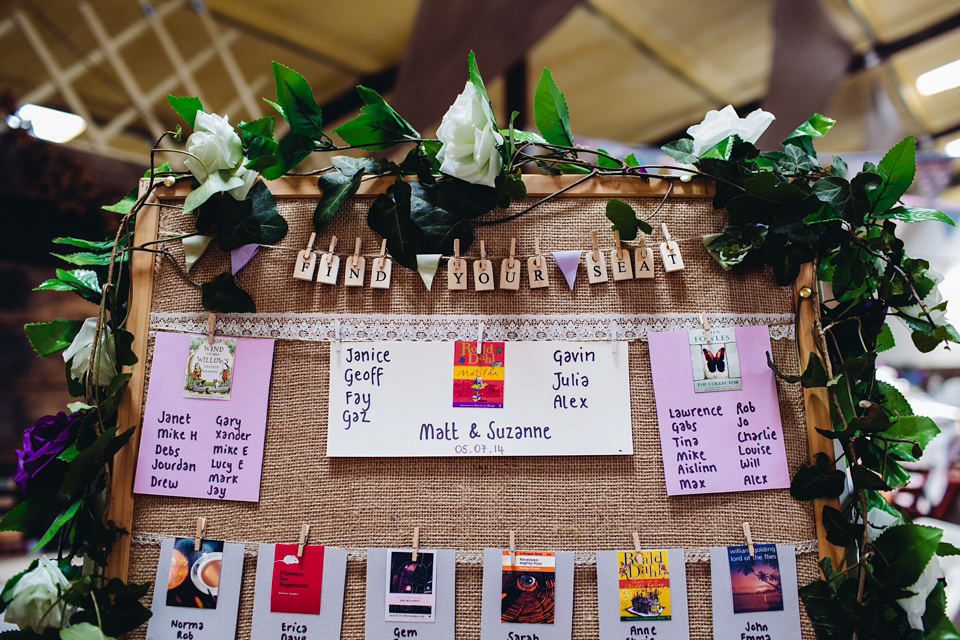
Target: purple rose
(43, 442)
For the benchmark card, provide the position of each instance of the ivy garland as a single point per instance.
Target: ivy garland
(785, 209)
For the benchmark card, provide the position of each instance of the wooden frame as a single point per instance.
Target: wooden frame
(120, 507)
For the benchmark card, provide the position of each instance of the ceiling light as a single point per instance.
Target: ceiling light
(952, 148)
(48, 124)
(939, 79)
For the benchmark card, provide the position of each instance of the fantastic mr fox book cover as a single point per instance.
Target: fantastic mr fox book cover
(644, 585)
(478, 378)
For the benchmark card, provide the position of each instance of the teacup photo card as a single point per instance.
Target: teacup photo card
(299, 597)
(755, 596)
(196, 591)
(530, 594)
(203, 434)
(642, 594)
(411, 596)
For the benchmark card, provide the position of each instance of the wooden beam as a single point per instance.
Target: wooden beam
(160, 30)
(6, 26)
(120, 67)
(229, 62)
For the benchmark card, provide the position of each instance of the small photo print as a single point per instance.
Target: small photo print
(528, 595)
(411, 584)
(716, 363)
(194, 580)
(643, 585)
(210, 368)
(478, 378)
(297, 583)
(755, 581)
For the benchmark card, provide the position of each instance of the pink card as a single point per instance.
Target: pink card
(297, 582)
(718, 412)
(204, 447)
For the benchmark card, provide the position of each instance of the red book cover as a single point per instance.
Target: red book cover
(297, 582)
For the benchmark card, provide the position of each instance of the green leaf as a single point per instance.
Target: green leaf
(390, 217)
(680, 150)
(297, 103)
(864, 478)
(835, 192)
(550, 111)
(815, 127)
(15, 519)
(253, 220)
(721, 150)
(57, 524)
(903, 552)
(291, 150)
(946, 549)
(222, 295)
(625, 220)
(91, 245)
(920, 429)
(523, 136)
(476, 79)
(885, 340)
(907, 213)
(87, 258)
(438, 227)
(604, 162)
(840, 531)
(186, 107)
(897, 169)
(348, 166)
(838, 167)
(817, 480)
(88, 464)
(336, 189)
(509, 187)
(259, 147)
(83, 282)
(216, 182)
(53, 336)
(378, 126)
(631, 160)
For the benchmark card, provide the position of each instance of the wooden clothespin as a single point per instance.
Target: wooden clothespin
(480, 328)
(510, 269)
(620, 260)
(513, 549)
(643, 257)
(304, 532)
(537, 268)
(596, 265)
(483, 271)
(636, 542)
(706, 328)
(457, 269)
(329, 264)
(749, 537)
(382, 268)
(355, 267)
(306, 261)
(416, 544)
(211, 324)
(670, 251)
(201, 531)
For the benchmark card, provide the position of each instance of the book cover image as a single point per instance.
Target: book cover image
(478, 378)
(755, 581)
(210, 368)
(716, 362)
(529, 587)
(644, 585)
(297, 583)
(410, 592)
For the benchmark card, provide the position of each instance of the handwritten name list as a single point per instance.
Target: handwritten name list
(721, 441)
(202, 448)
(396, 399)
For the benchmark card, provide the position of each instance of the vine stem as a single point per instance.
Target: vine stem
(538, 202)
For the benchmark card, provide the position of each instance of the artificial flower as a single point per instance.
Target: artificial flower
(79, 353)
(35, 600)
(469, 139)
(42, 443)
(83, 631)
(931, 300)
(719, 125)
(217, 147)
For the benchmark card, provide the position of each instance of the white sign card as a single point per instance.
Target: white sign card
(642, 595)
(280, 584)
(530, 596)
(755, 597)
(409, 598)
(398, 399)
(202, 593)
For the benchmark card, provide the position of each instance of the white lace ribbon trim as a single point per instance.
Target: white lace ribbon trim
(470, 556)
(430, 328)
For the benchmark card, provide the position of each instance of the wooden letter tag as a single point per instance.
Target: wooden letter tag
(380, 273)
(643, 256)
(356, 266)
(306, 264)
(620, 263)
(329, 269)
(670, 253)
(457, 274)
(483, 275)
(596, 267)
(510, 274)
(537, 270)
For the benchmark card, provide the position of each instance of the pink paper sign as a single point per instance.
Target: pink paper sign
(716, 439)
(198, 447)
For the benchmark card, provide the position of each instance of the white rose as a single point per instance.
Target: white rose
(79, 350)
(469, 139)
(931, 300)
(719, 125)
(217, 147)
(34, 599)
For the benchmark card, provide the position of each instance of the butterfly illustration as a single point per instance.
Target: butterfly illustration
(716, 363)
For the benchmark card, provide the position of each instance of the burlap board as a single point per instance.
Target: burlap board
(570, 503)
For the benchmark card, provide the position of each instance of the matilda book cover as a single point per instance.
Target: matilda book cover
(478, 378)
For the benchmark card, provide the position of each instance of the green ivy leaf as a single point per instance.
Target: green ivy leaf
(838, 167)
(186, 107)
(864, 478)
(550, 111)
(625, 220)
(462, 198)
(897, 169)
(253, 220)
(907, 213)
(815, 127)
(336, 189)
(296, 102)
(57, 524)
(680, 150)
(390, 217)
(903, 552)
(51, 337)
(378, 126)
(417, 162)
(509, 187)
(291, 151)
(89, 462)
(817, 480)
(222, 295)
(259, 147)
(839, 530)
(438, 227)
(835, 192)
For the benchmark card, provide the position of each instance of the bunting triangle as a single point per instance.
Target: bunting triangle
(193, 248)
(427, 265)
(240, 256)
(569, 263)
